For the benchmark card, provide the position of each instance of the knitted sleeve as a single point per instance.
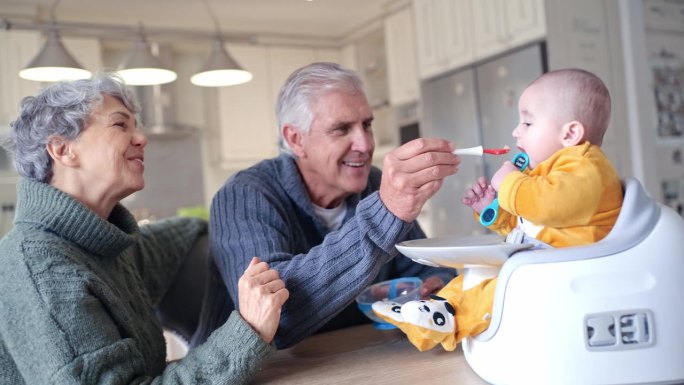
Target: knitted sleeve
(162, 247)
(231, 355)
(58, 328)
(247, 222)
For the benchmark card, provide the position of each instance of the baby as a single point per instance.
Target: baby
(569, 195)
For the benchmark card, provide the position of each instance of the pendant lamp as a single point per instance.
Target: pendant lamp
(53, 63)
(142, 68)
(221, 69)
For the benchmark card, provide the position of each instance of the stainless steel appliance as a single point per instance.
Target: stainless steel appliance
(477, 105)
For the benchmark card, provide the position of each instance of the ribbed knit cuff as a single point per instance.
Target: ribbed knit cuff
(379, 224)
(236, 338)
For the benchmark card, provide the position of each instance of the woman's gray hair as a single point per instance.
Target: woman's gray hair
(303, 87)
(60, 110)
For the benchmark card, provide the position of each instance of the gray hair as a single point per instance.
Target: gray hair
(62, 109)
(303, 87)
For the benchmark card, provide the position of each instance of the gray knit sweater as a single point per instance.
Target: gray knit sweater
(77, 295)
(265, 211)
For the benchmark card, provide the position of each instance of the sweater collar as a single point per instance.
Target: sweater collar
(44, 205)
(293, 183)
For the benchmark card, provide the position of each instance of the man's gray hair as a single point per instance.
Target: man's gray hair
(303, 87)
(60, 110)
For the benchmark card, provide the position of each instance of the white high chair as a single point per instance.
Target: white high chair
(607, 313)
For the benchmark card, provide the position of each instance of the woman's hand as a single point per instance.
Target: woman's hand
(262, 294)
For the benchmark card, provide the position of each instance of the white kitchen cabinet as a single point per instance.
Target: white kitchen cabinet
(443, 35)
(282, 62)
(348, 57)
(400, 49)
(499, 25)
(245, 118)
(17, 48)
(246, 112)
(328, 54)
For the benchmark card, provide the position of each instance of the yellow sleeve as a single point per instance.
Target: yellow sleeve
(562, 191)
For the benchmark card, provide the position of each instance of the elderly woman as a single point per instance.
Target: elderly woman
(79, 278)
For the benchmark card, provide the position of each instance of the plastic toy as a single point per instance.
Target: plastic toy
(491, 212)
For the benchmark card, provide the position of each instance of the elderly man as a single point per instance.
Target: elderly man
(320, 214)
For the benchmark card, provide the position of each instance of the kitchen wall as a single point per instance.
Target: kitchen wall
(664, 35)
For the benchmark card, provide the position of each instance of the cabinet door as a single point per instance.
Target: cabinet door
(427, 37)
(489, 31)
(450, 111)
(401, 58)
(245, 117)
(457, 34)
(348, 57)
(17, 49)
(443, 35)
(500, 25)
(328, 54)
(282, 62)
(524, 21)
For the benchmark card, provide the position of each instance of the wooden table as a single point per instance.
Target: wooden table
(363, 355)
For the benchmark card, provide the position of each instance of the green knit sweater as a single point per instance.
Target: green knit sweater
(77, 296)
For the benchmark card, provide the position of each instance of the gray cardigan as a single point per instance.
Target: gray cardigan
(77, 295)
(265, 211)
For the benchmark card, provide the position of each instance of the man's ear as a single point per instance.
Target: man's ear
(573, 133)
(294, 139)
(61, 152)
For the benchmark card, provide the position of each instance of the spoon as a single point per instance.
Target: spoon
(478, 151)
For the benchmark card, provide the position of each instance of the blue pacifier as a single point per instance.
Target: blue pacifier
(491, 212)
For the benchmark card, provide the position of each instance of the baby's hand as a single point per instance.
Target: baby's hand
(506, 168)
(479, 195)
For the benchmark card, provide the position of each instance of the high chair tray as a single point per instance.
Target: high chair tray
(458, 251)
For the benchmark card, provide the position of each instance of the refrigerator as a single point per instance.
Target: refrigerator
(477, 105)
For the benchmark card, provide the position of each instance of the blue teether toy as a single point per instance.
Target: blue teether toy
(491, 212)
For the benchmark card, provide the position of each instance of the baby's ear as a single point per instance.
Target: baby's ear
(573, 134)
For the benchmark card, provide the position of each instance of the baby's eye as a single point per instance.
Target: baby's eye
(526, 124)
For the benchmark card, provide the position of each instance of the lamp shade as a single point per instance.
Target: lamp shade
(141, 68)
(54, 63)
(220, 70)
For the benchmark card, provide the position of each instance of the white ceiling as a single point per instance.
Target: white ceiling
(330, 19)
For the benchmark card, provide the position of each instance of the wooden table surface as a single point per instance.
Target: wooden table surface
(363, 355)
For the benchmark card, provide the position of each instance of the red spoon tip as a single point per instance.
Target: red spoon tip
(496, 151)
